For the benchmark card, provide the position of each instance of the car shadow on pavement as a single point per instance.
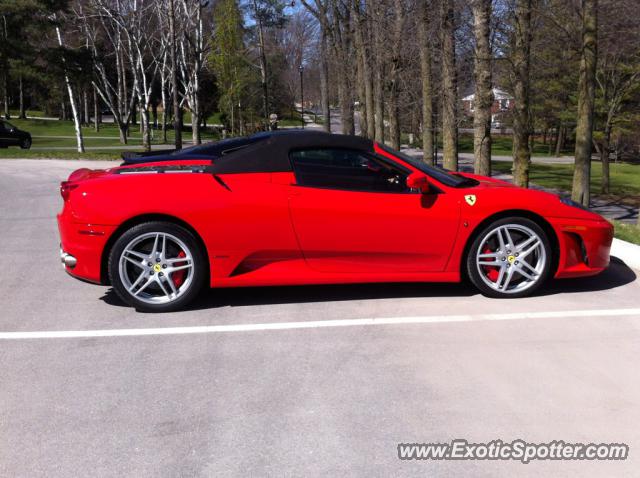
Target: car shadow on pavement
(617, 275)
(271, 295)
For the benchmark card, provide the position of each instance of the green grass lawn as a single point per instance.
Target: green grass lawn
(30, 113)
(502, 145)
(627, 232)
(211, 119)
(290, 118)
(48, 135)
(624, 178)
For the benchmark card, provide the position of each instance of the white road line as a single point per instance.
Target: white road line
(315, 324)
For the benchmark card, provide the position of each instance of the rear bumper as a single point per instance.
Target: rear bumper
(584, 247)
(81, 248)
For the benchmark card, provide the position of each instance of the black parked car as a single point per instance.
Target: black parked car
(12, 136)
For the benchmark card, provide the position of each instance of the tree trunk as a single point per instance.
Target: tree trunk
(96, 112)
(394, 111)
(195, 127)
(604, 159)
(163, 96)
(177, 130)
(378, 89)
(324, 81)
(22, 113)
(154, 113)
(449, 88)
(122, 130)
(85, 103)
(134, 114)
(427, 89)
(5, 94)
(360, 77)
(365, 92)
(560, 139)
(586, 95)
(521, 123)
(368, 88)
(146, 129)
(378, 85)
(74, 109)
(483, 99)
(346, 102)
(263, 64)
(394, 116)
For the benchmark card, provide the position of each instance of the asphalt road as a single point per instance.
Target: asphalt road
(316, 401)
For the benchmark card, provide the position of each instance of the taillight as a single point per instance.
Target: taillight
(65, 188)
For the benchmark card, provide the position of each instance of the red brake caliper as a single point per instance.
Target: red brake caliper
(178, 276)
(491, 271)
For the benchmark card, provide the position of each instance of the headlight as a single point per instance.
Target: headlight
(570, 202)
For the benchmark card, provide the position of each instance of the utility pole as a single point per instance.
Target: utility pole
(174, 78)
(301, 69)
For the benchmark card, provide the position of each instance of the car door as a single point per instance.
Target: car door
(10, 136)
(352, 212)
(4, 135)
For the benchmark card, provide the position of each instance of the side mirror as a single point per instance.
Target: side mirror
(418, 181)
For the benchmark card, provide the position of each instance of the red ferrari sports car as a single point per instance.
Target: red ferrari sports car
(284, 208)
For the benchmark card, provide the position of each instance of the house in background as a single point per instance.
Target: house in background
(503, 103)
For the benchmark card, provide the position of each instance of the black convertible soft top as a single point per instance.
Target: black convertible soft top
(266, 152)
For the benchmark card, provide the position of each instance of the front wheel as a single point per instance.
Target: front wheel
(25, 143)
(157, 267)
(510, 258)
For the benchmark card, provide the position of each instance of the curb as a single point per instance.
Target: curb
(627, 252)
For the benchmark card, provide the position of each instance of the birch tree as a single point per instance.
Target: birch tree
(192, 54)
(67, 81)
(106, 39)
(177, 123)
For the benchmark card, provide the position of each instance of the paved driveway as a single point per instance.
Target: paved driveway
(298, 398)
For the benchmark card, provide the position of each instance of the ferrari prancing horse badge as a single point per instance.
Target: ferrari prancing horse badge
(471, 199)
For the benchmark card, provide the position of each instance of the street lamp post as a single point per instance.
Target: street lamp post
(301, 69)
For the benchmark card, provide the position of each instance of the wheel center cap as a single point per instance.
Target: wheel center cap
(511, 259)
(157, 267)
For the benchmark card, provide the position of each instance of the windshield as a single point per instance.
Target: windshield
(442, 175)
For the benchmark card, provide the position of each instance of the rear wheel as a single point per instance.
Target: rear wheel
(510, 258)
(157, 267)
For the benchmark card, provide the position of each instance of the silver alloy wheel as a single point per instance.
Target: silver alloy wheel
(148, 267)
(511, 258)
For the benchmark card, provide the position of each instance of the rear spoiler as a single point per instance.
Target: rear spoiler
(127, 155)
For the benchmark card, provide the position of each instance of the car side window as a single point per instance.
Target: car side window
(348, 170)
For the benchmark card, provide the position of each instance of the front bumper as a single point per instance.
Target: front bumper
(584, 247)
